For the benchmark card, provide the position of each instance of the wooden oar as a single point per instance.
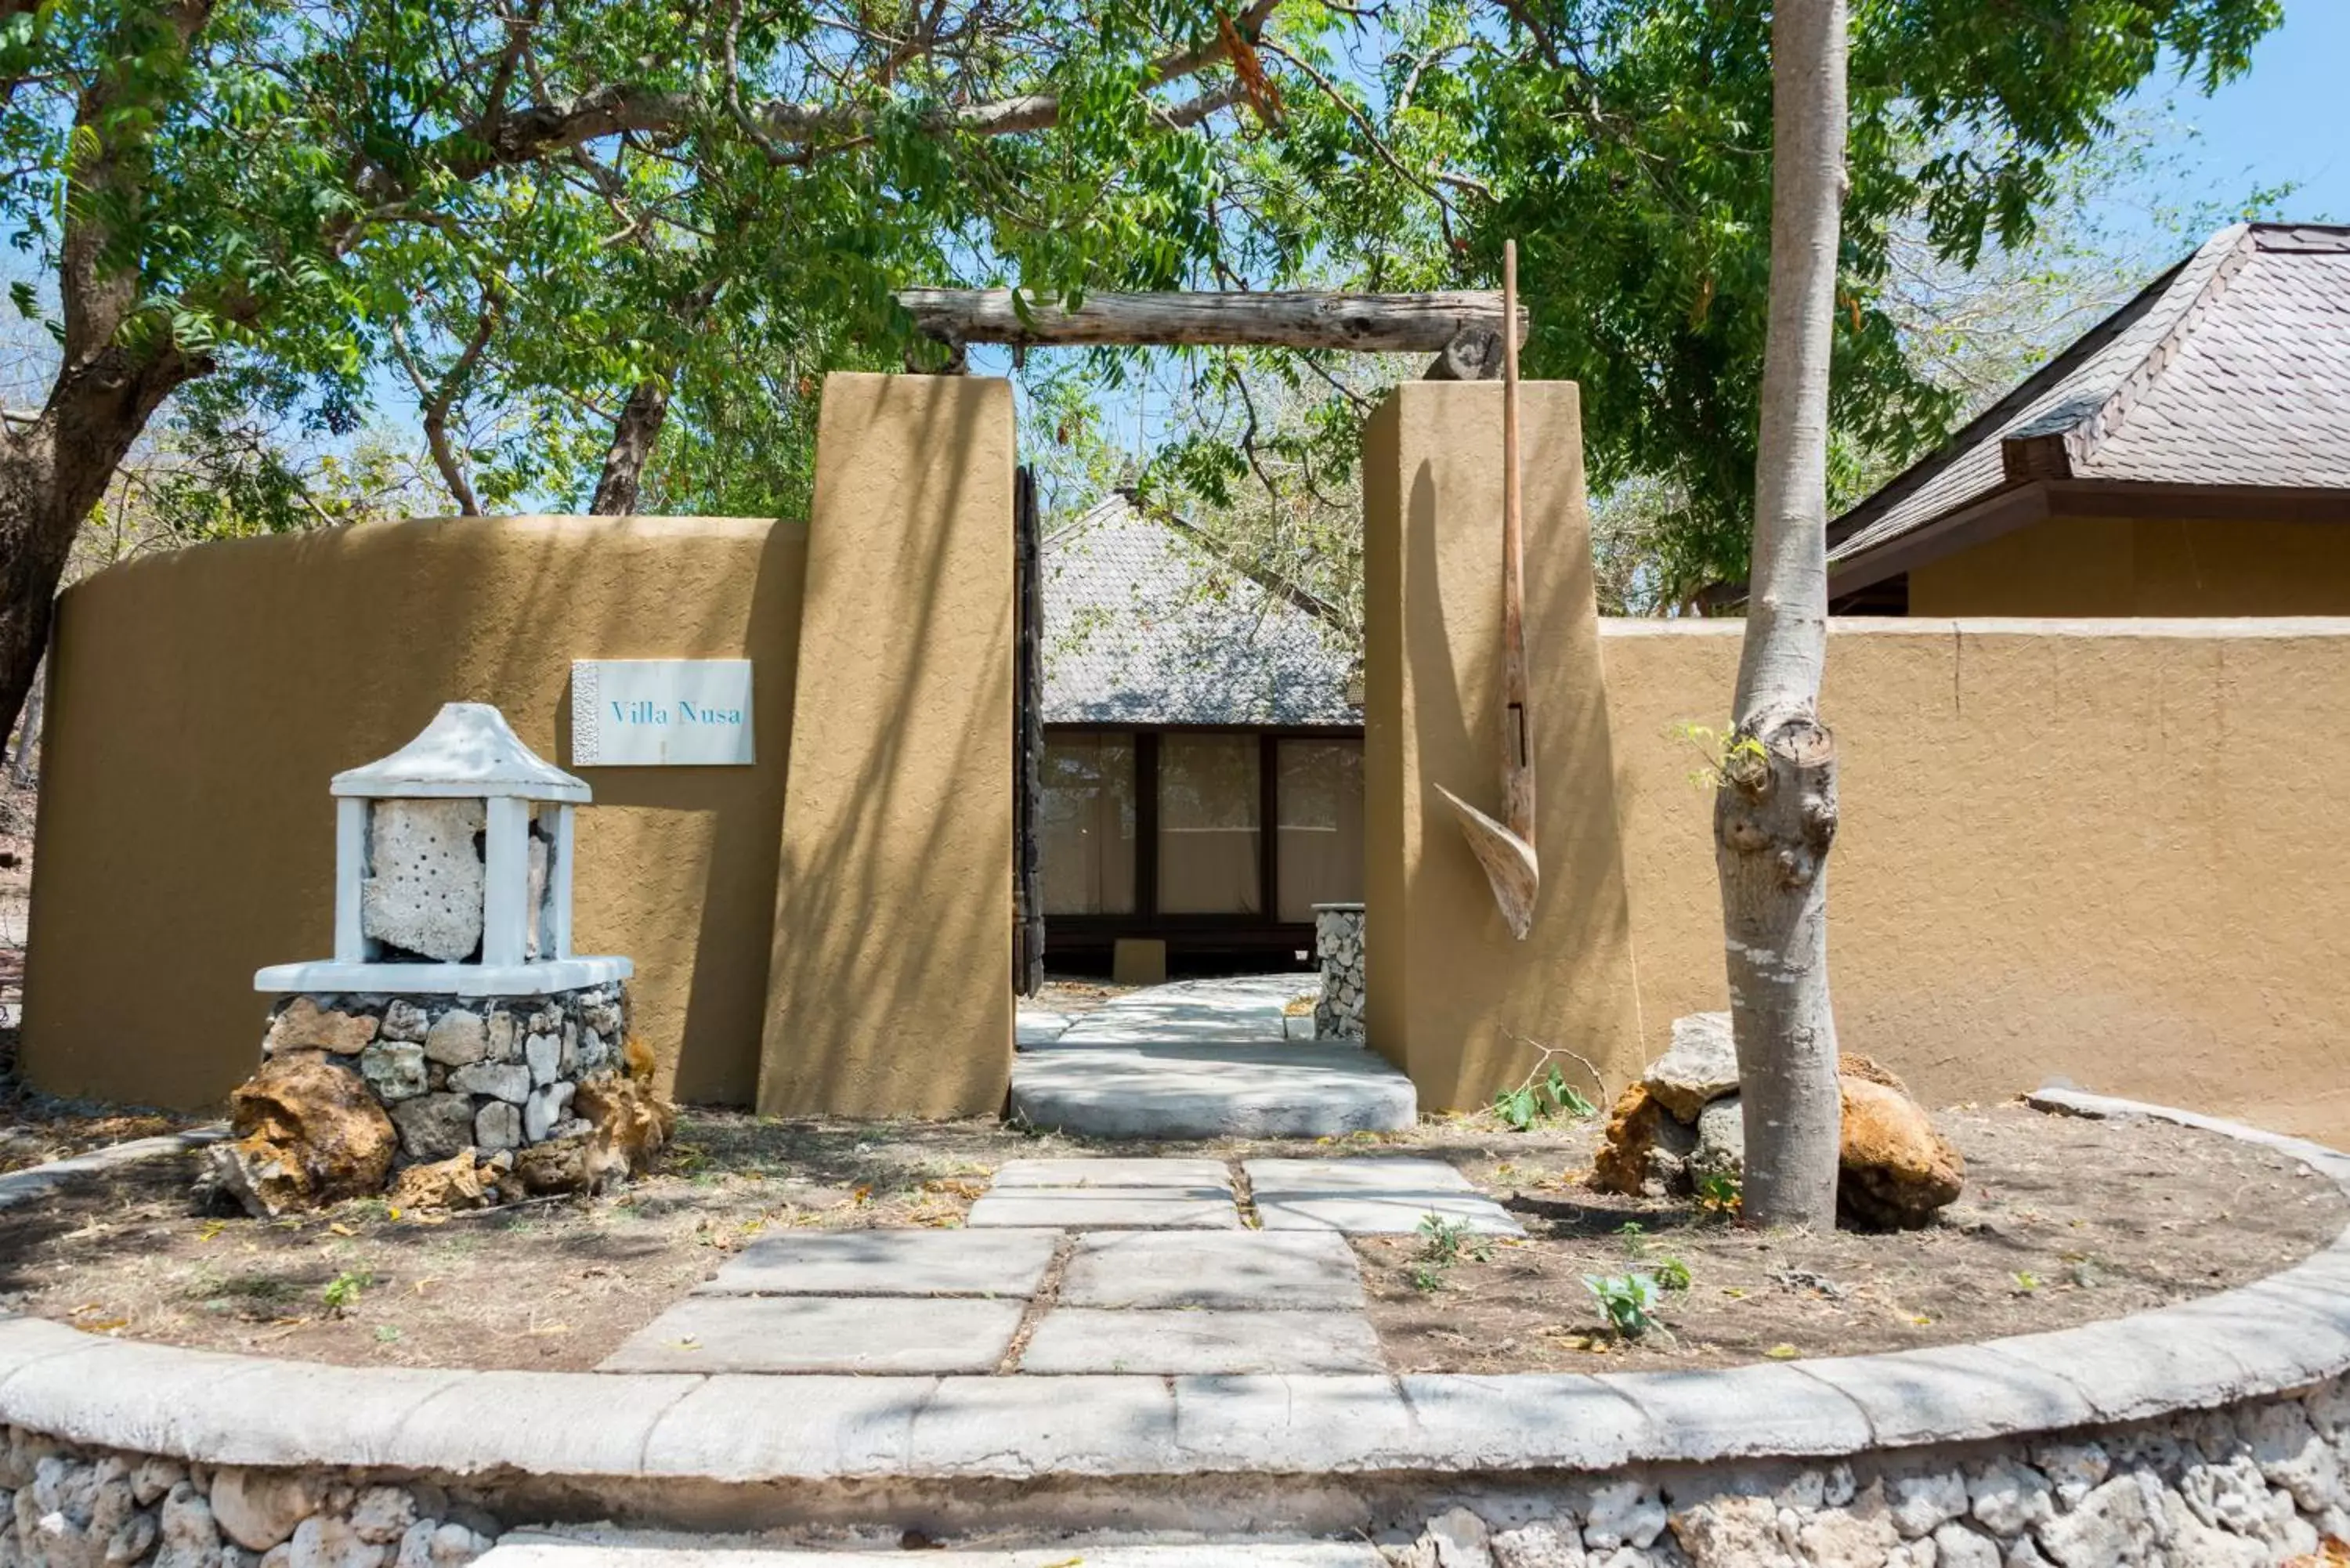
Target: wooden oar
(1506, 849)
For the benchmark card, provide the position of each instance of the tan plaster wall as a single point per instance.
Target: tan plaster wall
(2104, 850)
(204, 698)
(890, 977)
(1452, 998)
(2159, 566)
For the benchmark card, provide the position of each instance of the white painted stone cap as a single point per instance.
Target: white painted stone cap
(468, 750)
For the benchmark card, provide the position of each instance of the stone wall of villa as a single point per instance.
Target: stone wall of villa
(1338, 943)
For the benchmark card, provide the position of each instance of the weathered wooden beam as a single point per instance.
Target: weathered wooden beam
(1368, 322)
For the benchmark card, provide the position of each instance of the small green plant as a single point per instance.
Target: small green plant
(1635, 1237)
(2026, 1281)
(1719, 1194)
(344, 1290)
(1725, 754)
(1543, 1093)
(1673, 1275)
(1442, 1244)
(386, 1334)
(1628, 1301)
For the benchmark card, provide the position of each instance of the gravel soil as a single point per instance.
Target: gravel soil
(2064, 1222)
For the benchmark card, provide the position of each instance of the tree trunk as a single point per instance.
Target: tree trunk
(633, 435)
(20, 766)
(52, 473)
(1775, 813)
(1374, 323)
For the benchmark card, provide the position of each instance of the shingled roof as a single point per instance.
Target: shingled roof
(2232, 367)
(1145, 624)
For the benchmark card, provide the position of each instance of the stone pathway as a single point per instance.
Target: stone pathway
(1075, 1267)
(1202, 1058)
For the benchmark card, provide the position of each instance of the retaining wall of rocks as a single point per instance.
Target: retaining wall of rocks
(2256, 1483)
(65, 1507)
(455, 1073)
(1338, 943)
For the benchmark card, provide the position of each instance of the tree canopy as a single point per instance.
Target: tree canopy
(610, 245)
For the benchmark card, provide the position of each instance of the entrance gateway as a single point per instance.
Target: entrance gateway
(1134, 1079)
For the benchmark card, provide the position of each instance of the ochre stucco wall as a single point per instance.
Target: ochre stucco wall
(2106, 850)
(1452, 998)
(890, 977)
(204, 698)
(2160, 566)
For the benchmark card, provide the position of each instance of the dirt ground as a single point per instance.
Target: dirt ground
(2064, 1222)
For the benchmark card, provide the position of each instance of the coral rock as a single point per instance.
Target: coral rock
(307, 1132)
(631, 1123)
(303, 1025)
(1897, 1169)
(457, 1182)
(1645, 1148)
(1701, 1066)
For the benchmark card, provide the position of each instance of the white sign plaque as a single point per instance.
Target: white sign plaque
(660, 712)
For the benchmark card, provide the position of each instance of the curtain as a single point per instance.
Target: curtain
(1320, 837)
(1208, 825)
(1086, 824)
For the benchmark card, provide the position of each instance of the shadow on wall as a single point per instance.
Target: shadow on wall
(204, 698)
(890, 973)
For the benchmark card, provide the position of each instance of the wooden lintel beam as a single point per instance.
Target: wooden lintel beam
(1368, 322)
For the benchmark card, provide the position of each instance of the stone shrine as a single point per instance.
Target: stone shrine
(454, 1019)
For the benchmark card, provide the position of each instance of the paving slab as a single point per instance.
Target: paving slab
(1203, 1174)
(1088, 1339)
(1225, 1008)
(1298, 1271)
(1370, 1213)
(523, 1549)
(888, 1263)
(1279, 1425)
(752, 1429)
(1240, 1089)
(1107, 1209)
(1024, 1427)
(541, 1423)
(1741, 1412)
(1528, 1420)
(1333, 1178)
(1950, 1394)
(822, 1334)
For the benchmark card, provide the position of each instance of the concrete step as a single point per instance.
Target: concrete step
(1210, 1089)
(526, 1549)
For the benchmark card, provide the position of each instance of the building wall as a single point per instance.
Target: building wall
(2156, 567)
(2101, 850)
(203, 699)
(890, 977)
(1452, 998)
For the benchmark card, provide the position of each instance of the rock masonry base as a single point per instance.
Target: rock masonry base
(455, 1073)
(1338, 943)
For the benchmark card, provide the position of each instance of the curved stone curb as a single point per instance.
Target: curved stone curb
(2282, 1333)
(41, 1181)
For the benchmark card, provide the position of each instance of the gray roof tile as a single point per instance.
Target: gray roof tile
(2233, 367)
(1144, 625)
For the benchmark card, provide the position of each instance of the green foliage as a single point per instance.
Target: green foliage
(1443, 1244)
(1672, 1274)
(343, 1291)
(1520, 1108)
(1718, 1194)
(1628, 1302)
(1628, 144)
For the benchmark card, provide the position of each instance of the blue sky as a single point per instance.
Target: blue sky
(2284, 120)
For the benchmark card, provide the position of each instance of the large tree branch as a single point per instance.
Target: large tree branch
(542, 129)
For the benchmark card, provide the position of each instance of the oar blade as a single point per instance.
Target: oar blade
(1510, 862)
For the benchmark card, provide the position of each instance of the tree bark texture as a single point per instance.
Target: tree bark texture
(1374, 323)
(1775, 813)
(52, 471)
(633, 435)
